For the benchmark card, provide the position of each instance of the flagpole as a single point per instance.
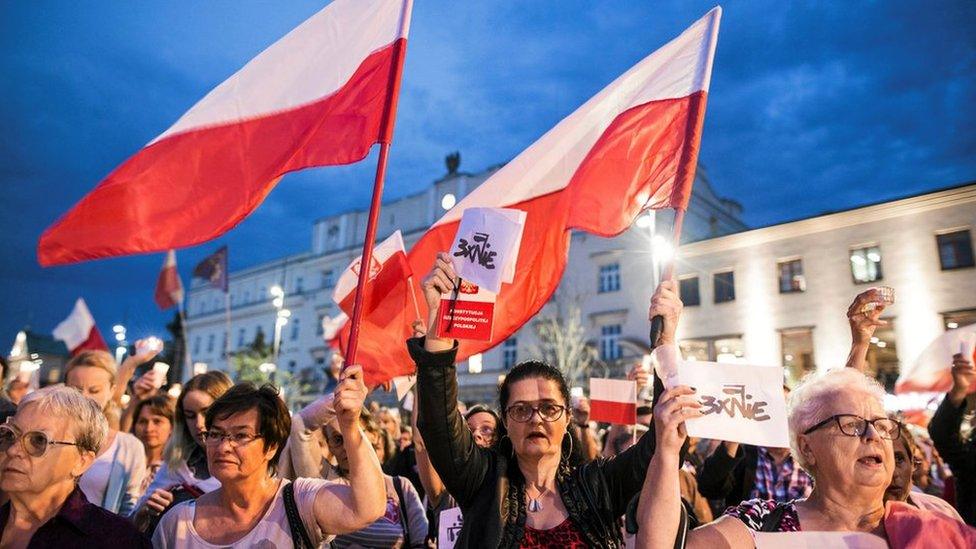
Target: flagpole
(413, 297)
(227, 327)
(657, 323)
(374, 207)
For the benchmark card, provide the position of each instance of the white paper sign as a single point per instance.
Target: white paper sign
(403, 384)
(818, 540)
(486, 246)
(449, 528)
(742, 403)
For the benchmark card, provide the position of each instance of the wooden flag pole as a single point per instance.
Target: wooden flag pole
(374, 207)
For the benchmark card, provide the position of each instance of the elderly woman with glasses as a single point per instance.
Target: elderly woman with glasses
(246, 431)
(839, 433)
(524, 491)
(44, 449)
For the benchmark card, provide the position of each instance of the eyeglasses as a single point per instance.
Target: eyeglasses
(856, 426)
(35, 443)
(236, 440)
(486, 431)
(523, 412)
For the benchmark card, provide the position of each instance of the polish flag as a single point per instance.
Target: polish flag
(631, 147)
(322, 95)
(386, 303)
(932, 370)
(613, 401)
(79, 331)
(169, 288)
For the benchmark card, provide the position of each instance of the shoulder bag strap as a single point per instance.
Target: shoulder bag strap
(299, 535)
(403, 511)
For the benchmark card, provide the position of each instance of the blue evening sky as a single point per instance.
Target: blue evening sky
(814, 106)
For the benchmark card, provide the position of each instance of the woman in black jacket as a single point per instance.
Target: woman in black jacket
(524, 492)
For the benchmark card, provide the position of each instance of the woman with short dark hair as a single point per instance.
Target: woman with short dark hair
(246, 431)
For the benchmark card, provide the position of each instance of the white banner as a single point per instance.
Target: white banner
(486, 246)
(449, 528)
(742, 403)
(818, 540)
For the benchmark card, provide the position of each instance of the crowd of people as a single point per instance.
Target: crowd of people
(226, 464)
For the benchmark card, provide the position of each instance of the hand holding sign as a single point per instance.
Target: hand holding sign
(674, 407)
(740, 403)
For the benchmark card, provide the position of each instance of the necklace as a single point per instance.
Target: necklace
(534, 505)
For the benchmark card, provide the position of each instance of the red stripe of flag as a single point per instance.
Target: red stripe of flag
(606, 411)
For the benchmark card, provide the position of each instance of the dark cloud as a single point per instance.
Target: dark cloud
(814, 106)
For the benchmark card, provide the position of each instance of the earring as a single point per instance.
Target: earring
(568, 453)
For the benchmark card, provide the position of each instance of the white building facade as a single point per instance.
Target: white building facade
(779, 295)
(609, 277)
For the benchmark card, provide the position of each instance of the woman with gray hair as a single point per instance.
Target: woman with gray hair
(44, 449)
(839, 433)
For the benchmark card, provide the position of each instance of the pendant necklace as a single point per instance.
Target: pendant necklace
(534, 505)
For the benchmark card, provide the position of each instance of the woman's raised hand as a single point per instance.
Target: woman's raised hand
(673, 408)
(350, 394)
(864, 323)
(665, 302)
(441, 280)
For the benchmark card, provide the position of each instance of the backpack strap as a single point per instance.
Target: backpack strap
(299, 535)
(771, 521)
(398, 486)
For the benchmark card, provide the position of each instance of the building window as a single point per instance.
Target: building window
(247, 297)
(610, 342)
(319, 330)
(510, 353)
(724, 286)
(299, 285)
(291, 365)
(955, 250)
(958, 319)
(866, 264)
(295, 328)
(797, 352)
(223, 344)
(688, 289)
(715, 349)
(328, 278)
(210, 343)
(609, 278)
(882, 357)
(196, 345)
(241, 334)
(791, 276)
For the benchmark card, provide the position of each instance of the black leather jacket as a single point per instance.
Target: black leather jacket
(487, 483)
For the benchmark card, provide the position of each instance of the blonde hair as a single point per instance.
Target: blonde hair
(102, 360)
(806, 402)
(181, 443)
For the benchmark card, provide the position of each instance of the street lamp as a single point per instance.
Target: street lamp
(281, 319)
(120, 339)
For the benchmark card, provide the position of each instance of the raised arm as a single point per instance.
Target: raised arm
(458, 460)
(863, 324)
(947, 420)
(625, 472)
(341, 508)
(663, 522)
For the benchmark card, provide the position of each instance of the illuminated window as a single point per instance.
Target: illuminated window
(791, 276)
(688, 289)
(866, 264)
(955, 250)
(728, 348)
(724, 286)
(797, 352)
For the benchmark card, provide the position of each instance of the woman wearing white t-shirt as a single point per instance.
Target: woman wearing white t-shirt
(246, 432)
(114, 480)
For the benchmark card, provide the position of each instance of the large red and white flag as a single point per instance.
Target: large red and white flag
(932, 370)
(78, 331)
(169, 287)
(322, 95)
(631, 147)
(613, 401)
